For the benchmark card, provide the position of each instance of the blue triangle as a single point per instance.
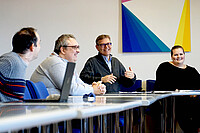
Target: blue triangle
(136, 37)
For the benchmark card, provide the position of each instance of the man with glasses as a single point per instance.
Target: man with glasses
(103, 67)
(51, 71)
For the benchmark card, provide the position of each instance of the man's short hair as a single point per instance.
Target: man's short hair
(100, 37)
(23, 40)
(62, 41)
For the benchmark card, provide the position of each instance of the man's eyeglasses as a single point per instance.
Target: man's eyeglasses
(74, 47)
(105, 44)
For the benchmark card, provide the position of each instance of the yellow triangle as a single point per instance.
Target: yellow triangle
(183, 35)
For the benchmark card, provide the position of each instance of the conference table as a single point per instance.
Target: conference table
(23, 116)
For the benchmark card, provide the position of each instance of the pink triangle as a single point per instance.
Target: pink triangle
(125, 1)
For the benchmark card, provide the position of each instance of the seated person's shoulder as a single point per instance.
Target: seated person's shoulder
(9, 56)
(164, 64)
(115, 58)
(53, 60)
(192, 68)
(10, 59)
(92, 59)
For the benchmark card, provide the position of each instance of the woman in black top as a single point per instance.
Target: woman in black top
(175, 75)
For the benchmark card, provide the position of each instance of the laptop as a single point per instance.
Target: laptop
(65, 89)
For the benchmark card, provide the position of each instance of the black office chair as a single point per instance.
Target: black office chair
(150, 84)
(136, 87)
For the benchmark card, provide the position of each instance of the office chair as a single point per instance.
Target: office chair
(150, 84)
(27, 94)
(136, 87)
(37, 90)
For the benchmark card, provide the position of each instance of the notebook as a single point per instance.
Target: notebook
(65, 89)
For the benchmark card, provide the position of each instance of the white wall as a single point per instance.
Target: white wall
(86, 19)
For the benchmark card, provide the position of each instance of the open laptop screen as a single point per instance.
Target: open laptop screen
(65, 89)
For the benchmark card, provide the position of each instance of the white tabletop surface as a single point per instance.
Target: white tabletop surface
(14, 116)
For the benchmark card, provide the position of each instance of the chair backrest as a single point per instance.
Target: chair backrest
(37, 90)
(150, 85)
(27, 94)
(136, 87)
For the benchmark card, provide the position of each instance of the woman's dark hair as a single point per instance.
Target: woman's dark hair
(176, 47)
(23, 40)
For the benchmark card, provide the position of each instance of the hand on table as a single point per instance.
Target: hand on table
(99, 88)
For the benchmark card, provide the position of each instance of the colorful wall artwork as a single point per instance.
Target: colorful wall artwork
(137, 37)
(183, 36)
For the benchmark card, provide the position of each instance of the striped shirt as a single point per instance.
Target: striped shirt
(12, 77)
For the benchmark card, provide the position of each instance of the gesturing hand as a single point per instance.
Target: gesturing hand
(109, 79)
(129, 73)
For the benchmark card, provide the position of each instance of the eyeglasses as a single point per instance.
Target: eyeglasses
(105, 44)
(74, 47)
